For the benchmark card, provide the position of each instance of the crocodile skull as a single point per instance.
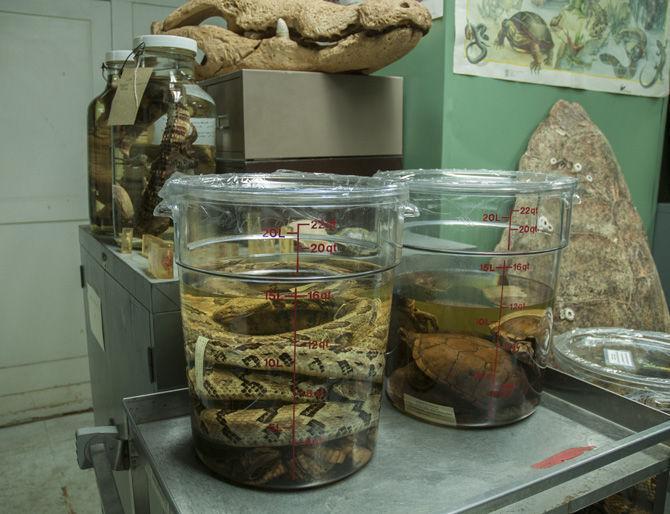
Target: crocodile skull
(299, 35)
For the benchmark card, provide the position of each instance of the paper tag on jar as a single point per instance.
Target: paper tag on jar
(429, 411)
(200, 346)
(621, 358)
(129, 91)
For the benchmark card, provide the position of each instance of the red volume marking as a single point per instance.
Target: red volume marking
(560, 457)
(294, 388)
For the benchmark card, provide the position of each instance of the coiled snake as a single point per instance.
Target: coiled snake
(258, 384)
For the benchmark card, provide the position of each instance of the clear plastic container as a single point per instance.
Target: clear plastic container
(472, 303)
(174, 131)
(100, 146)
(632, 363)
(286, 283)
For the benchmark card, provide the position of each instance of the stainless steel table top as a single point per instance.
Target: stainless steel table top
(419, 467)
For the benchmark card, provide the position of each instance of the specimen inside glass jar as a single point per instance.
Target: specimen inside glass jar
(173, 132)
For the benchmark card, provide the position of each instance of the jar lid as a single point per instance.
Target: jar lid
(480, 181)
(166, 41)
(118, 56)
(283, 187)
(631, 359)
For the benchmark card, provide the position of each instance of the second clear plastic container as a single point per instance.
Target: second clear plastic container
(285, 296)
(472, 304)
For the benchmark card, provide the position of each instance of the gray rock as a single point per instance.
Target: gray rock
(607, 274)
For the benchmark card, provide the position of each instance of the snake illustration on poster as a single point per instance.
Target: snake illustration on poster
(618, 46)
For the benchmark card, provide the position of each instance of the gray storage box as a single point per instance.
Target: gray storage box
(266, 115)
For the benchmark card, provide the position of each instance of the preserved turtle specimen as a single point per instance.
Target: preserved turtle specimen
(457, 357)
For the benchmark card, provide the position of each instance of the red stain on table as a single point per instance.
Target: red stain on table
(559, 457)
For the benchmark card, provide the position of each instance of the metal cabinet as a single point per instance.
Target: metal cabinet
(138, 321)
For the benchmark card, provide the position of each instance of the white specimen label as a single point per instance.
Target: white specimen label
(200, 346)
(206, 128)
(621, 358)
(95, 315)
(429, 411)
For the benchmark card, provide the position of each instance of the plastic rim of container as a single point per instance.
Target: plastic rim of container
(166, 41)
(491, 182)
(121, 56)
(566, 352)
(285, 187)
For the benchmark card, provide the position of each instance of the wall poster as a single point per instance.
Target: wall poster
(619, 46)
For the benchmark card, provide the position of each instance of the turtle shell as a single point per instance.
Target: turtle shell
(471, 367)
(530, 28)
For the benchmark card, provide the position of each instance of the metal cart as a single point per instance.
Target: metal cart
(583, 444)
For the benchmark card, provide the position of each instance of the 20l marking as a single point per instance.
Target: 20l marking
(274, 363)
(273, 232)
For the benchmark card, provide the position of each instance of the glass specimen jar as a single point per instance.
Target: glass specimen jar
(472, 304)
(286, 283)
(100, 146)
(173, 132)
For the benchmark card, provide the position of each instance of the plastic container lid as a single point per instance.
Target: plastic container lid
(165, 41)
(480, 181)
(282, 187)
(632, 363)
(118, 56)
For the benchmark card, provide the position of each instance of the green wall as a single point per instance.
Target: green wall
(474, 122)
